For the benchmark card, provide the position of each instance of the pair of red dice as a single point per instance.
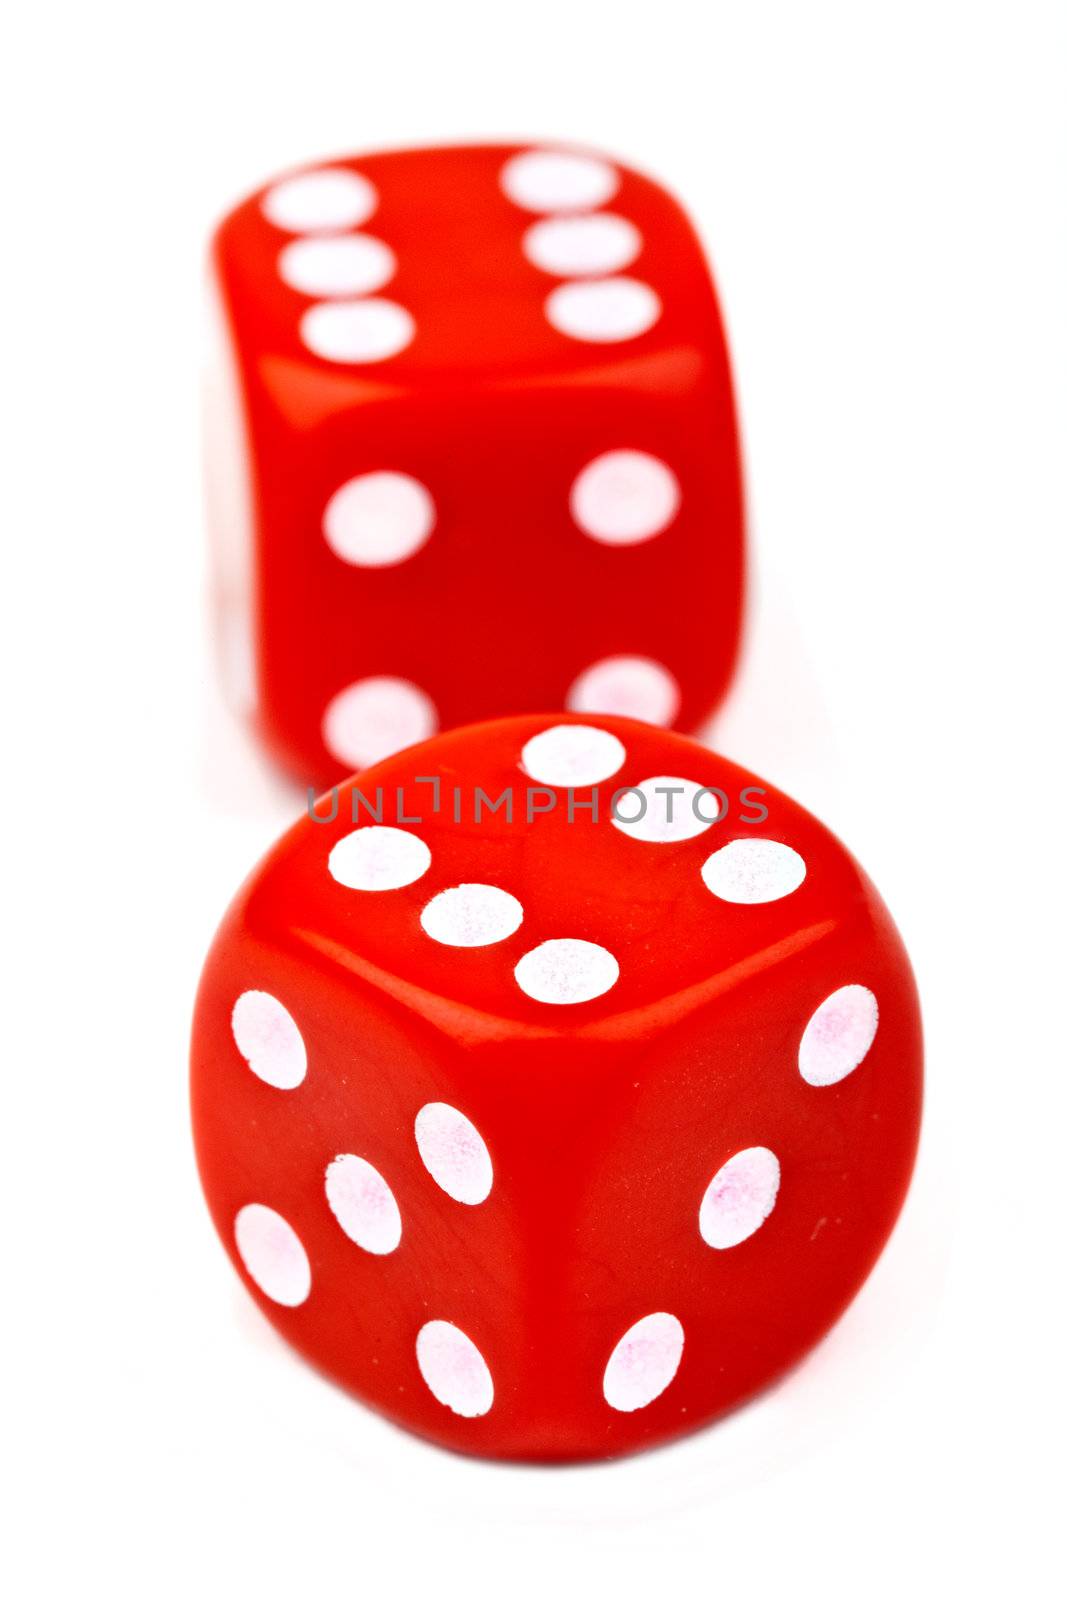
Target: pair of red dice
(555, 1083)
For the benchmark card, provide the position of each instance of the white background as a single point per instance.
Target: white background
(881, 191)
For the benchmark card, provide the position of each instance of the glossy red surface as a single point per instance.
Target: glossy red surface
(496, 412)
(605, 1120)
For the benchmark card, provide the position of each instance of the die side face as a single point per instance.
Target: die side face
(596, 1091)
(725, 1085)
(495, 491)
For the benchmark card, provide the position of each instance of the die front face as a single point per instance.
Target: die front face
(554, 1134)
(489, 445)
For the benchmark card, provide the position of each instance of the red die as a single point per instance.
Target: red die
(555, 1135)
(489, 435)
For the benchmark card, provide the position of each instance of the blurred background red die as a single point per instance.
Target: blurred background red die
(474, 452)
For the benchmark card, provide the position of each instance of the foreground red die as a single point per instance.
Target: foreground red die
(556, 1136)
(480, 449)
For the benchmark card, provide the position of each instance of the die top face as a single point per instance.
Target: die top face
(564, 918)
(495, 264)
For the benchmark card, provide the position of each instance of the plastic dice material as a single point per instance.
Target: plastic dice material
(473, 451)
(556, 1129)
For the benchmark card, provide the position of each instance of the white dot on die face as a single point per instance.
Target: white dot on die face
(565, 972)
(454, 1369)
(471, 914)
(342, 264)
(377, 858)
(332, 198)
(557, 180)
(674, 809)
(572, 756)
(625, 497)
(838, 1035)
(750, 872)
(627, 686)
(740, 1197)
(356, 331)
(375, 718)
(573, 247)
(363, 1204)
(378, 519)
(273, 1255)
(454, 1153)
(269, 1039)
(604, 310)
(643, 1362)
